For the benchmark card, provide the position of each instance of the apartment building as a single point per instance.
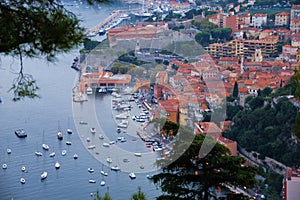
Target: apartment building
(239, 47)
(282, 19)
(258, 20)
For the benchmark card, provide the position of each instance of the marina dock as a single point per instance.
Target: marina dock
(115, 15)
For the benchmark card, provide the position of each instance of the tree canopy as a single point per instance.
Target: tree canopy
(193, 176)
(36, 28)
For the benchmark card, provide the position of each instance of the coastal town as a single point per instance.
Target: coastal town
(244, 50)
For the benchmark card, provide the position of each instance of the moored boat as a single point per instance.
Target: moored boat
(44, 175)
(105, 144)
(91, 170)
(69, 131)
(45, 146)
(21, 133)
(52, 154)
(60, 135)
(138, 154)
(22, 180)
(115, 168)
(91, 147)
(75, 156)
(102, 183)
(38, 153)
(132, 175)
(8, 150)
(63, 152)
(92, 181)
(23, 168)
(57, 165)
(104, 173)
(109, 160)
(101, 137)
(4, 166)
(68, 143)
(93, 130)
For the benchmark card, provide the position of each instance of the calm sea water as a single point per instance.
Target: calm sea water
(42, 118)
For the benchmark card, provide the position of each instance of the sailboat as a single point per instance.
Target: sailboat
(57, 165)
(22, 180)
(102, 183)
(59, 133)
(69, 131)
(44, 145)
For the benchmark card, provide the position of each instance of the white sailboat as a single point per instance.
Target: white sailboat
(23, 168)
(4, 166)
(22, 180)
(59, 133)
(63, 152)
(8, 150)
(57, 165)
(44, 145)
(69, 131)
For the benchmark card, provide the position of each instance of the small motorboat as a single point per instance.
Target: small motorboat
(69, 131)
(92, 181)
(112, 142)
(44, 175)
(88, 139)
(93, 130)
(91, 147)
(75, 156)
(104, 173)
(57, 165)
(68, 143)
(106, 144)
(4, 166)
(109, 160)
(102, 183)
(149, 176)
(132, 175)
(60, 135)
(115, 168)
(63, 152)
(138, 154)
(52, 154)
(45, 146)
(8, 150)
(101, 137)
(91, 170)
(23, 168)
(38, 153)
(22, 180)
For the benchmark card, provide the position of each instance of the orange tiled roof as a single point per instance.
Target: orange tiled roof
(296, 7)
(282, 13)
(260, 15)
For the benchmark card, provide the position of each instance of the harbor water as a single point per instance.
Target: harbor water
(42, 118)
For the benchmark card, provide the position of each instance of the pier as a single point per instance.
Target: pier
(115, 14)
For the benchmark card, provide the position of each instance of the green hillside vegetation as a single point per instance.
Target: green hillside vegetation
(266, 128)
